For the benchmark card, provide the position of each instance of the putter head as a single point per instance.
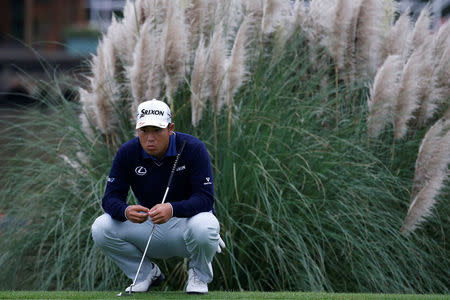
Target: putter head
(125, 293)
(129, 293)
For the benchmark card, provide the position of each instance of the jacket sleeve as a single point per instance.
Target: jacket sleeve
(116, 192)
(201, 181)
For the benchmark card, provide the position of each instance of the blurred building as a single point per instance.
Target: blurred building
(59, 33)
(42, 21)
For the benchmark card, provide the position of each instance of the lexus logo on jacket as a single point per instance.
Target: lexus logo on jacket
(141, 171)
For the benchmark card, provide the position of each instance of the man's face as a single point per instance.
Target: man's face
(155, 140)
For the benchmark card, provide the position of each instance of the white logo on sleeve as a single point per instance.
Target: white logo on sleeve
(208, 181)
(181, 168)
(111, 179)
(141, 171)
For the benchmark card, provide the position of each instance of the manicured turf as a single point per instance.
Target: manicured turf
(211, 295)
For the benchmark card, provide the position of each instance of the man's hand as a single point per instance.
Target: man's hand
(137, 213)
(161, 213)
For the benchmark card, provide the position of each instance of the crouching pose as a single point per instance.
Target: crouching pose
(186, 224)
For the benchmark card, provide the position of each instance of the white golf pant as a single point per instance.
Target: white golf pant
(195, 238)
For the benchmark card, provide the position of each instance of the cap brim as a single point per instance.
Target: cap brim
(143, 123)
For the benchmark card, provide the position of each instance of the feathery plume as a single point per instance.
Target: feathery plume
(408, 98)
(430, 174)
(229, 15)
(390, 8)
(337, 35)
(350, 60)
(146, 59)
(320, 18)
(88, 116)
(421, 31)
(117, 34)
(74, 164)
(443, 75)
(428, 91)
(441, 40)
(293, 19)
(143, 10)
(369, 37)
(199, 16)
(236, 71)
(383, 95)
(216, 68)
(198, 89)
(105, 87)
(435, 84)
(176, 52)
(255, 11)
(300, 14)
(153, 10)
(399, 38)
(130, 30)
(274, 11)
(441, 51)
(109, 60)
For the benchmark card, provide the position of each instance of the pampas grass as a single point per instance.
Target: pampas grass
(369, 37)
(274, 13)
(398, 39)
(350, 61)
(88, 117)
(430, 174)
(441, 51)
(408, 97)
(236, 71)
(129, 32)
(337, 33)
(300, 15)
(217, 57)
(383, 95)
(255, 12)
(421, 31)
(145, 75)
(176, 50)
(106, 89)
(198, 87)
(118, 33)
(319, 19)
(211, 44)
(429, 92)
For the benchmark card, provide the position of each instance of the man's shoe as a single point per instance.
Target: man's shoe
(155, 278)
(195, 285)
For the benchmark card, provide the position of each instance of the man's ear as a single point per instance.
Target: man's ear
(171, 128)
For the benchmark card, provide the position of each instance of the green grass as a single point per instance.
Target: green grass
(215, 296)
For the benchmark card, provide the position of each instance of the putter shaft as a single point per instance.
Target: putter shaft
(154, 225)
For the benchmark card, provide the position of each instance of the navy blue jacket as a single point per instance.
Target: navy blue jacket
(191, 190)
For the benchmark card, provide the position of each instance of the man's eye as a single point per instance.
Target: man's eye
(154, 130)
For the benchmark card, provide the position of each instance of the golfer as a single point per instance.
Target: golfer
(186, 224)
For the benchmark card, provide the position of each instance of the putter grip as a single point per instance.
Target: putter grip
(175, 163)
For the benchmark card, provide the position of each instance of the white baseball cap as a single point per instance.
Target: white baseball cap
(153, 113)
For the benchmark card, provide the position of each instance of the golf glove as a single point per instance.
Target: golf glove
(221, 245)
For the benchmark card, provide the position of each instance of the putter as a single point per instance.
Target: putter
(154, 225)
